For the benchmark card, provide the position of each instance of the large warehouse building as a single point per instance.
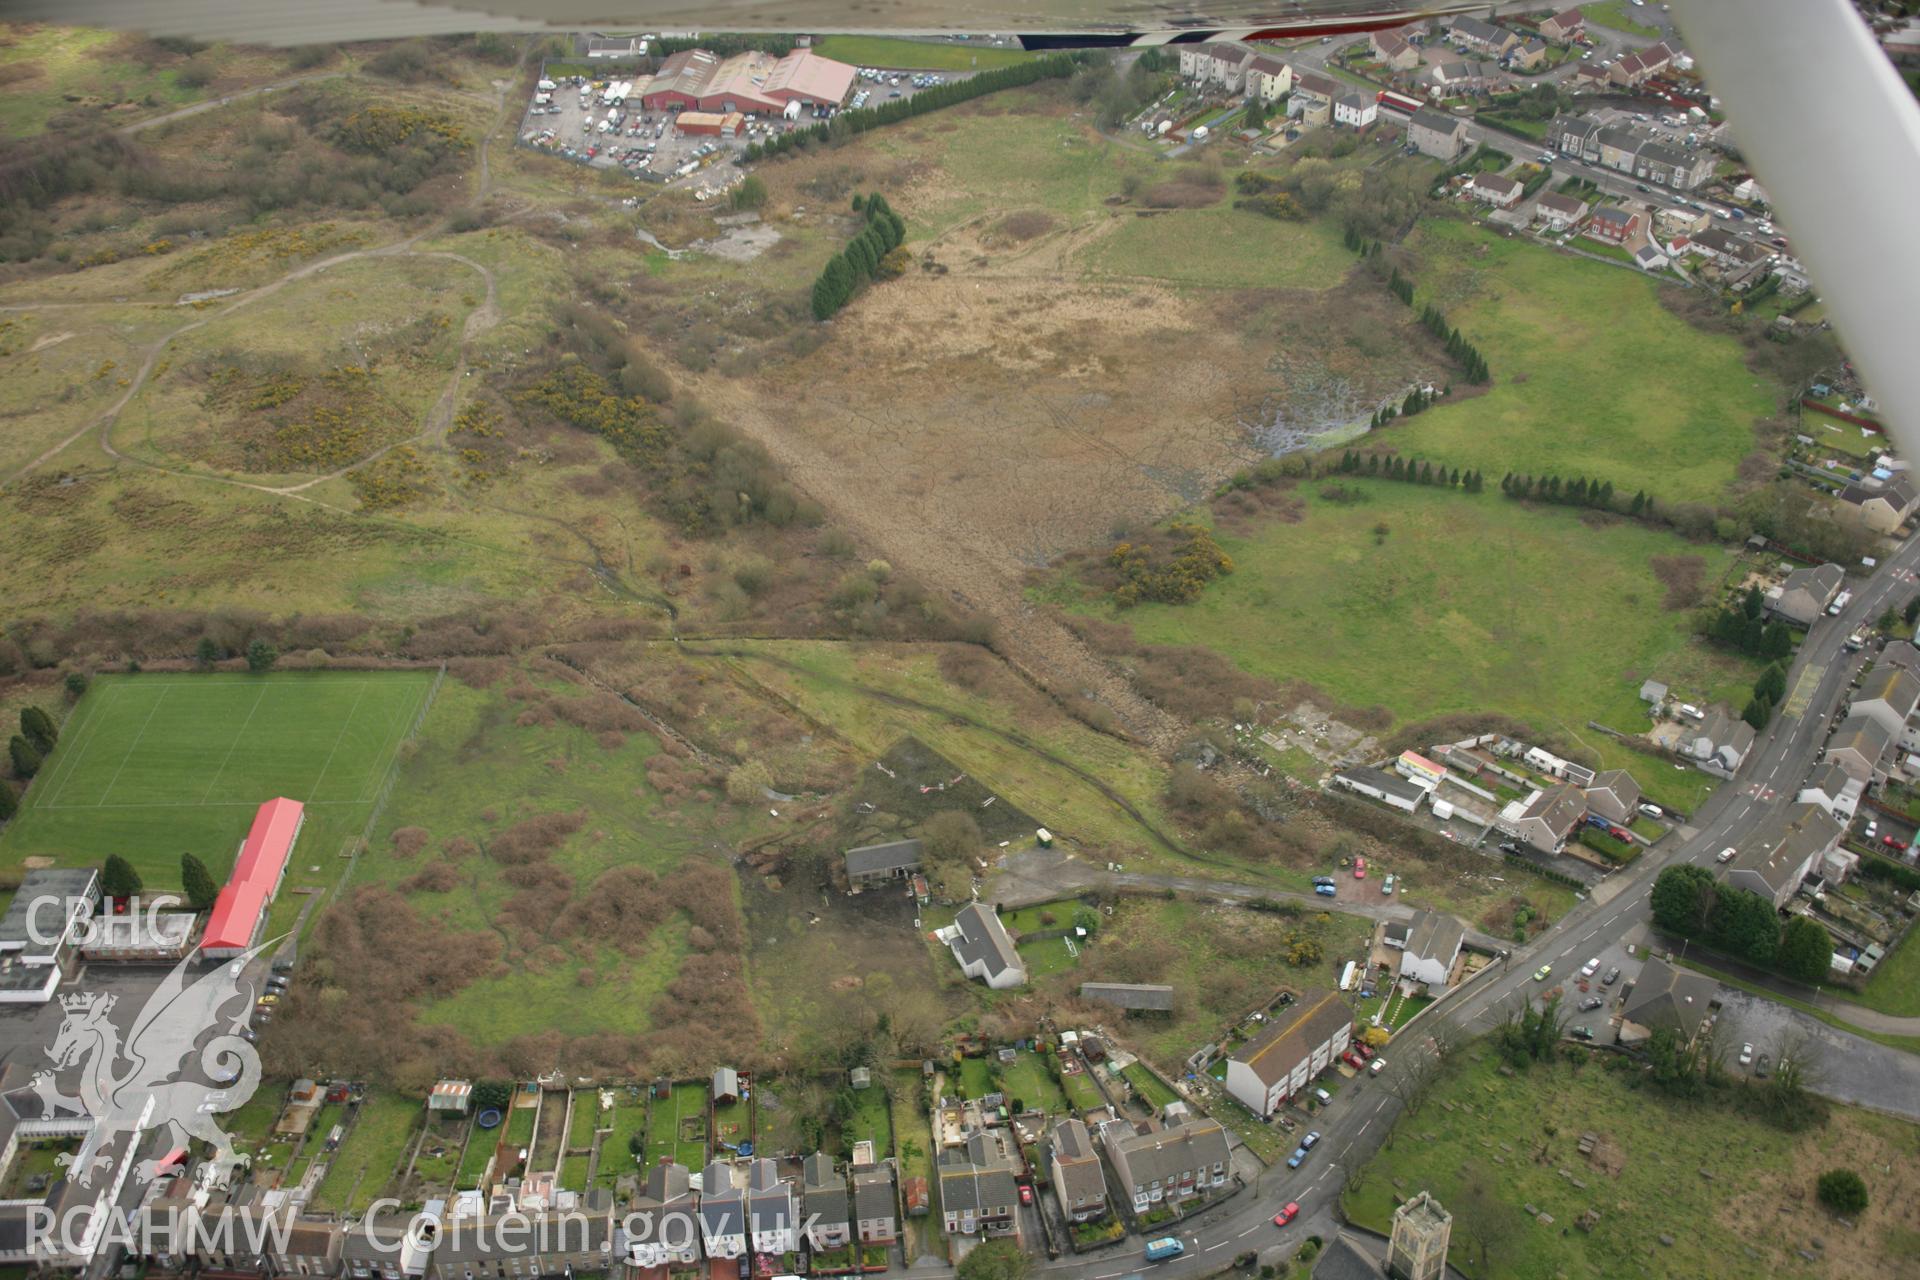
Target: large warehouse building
(750, 82)
(240, 912)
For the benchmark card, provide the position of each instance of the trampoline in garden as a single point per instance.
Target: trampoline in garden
(488, 1119)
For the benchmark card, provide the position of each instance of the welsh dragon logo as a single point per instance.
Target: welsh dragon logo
(134, 1084)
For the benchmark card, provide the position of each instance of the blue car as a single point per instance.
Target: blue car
(1299, 1154)
(1326, 890)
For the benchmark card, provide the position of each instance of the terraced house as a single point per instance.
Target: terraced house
(661, 1231)
(1302, 1040)
(1170, 1165)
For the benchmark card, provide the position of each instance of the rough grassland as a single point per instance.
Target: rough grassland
(475, 772)
(1241, 250)
(1614, 14)
(1760, 1196)
(1592, 376)
(917, 55)
(151, 766)
(1468, 604)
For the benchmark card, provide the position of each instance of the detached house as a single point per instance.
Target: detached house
(1882, 508)
(823, 1193)
(1614, 795)
(1722, 739)
(1613, 225)
(1428, 948)
(1496, 189)
(1667, 998)
(1170, 1165)
(980, 945)
(1300, 1042)
(1564, 27)
(1355, 109)
(1546, 818)
(1392, 49)
(1559, 212)
(873, 865)
(1435, 133)
(977, 1189)
(1784, 851)
(1078, 1182)
(876, 1220)
(1806, 593)
(1833, 789)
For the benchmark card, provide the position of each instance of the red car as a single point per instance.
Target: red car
(1359, 868)
(1893, 843)
(1352, 1059)
(1363, 1050)
(1286, 1215)
(1026, 1194)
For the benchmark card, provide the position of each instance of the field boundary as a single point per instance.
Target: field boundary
(352, 852)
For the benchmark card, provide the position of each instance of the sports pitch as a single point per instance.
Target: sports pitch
(150, 767)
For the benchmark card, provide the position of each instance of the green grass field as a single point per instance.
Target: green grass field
(1485, 1144)
(1894, 985)
(1468, 603)
(917, 55)
(868, 1123)
(151, 766)
(1591, 375)
(1029, 1077)
(1243, 250)
(688, 1102)
(1615, 15)
(1152, 1090)
(64, 65)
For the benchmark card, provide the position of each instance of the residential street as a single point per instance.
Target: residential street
(1849, 1069)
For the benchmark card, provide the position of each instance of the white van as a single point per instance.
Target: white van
(1324, 1096)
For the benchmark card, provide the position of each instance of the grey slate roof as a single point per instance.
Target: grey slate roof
(1899, 653)
(1164, 1154)
(57, 883)
(1783, 845)
(1079, 1162)
(977, 1175)
(723, 1205)
(984, 939)
(1129, 995)
(1437, 121)
(1380, 780)
(1345, 1260)
(872, 859)
(1667, 996)
(1435, 935)
(873, 1192)
(824, 1191)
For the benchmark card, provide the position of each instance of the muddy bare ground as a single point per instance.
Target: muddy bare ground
(976, 424)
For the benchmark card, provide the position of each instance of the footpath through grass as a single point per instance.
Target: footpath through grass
(1592, 376)
(1486, 1145)
(151, 766)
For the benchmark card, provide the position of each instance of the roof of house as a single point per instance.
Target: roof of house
(870, 859)
(1863, 735)
(1829, 779)
(1435, 935)
(1079, 1163)
(1308, 1023)
(1565, 205)
(1566, 19)
(977, 1175)
(1485, 32)
(256, 873)
(1898, 687)
(1614, 214)
(824, 1190)
(1497, 183)
(1786, 843)
(1315, 83)
(1356, 101)
(1900, 654)
(983, 939)
(668, 1182)
(1620, 783)
(1665, 995)
(1390, 43)
(1130, 995)
(1560, 806)
(1724, 729)
(1380, 780)
(1820, 581)
(1438, 121)
(1897, 491)
(873, 1191)
(723, 1203)
(1160, 1154)
(1267, 66)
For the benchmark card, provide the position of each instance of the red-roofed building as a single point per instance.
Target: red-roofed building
(240, 912)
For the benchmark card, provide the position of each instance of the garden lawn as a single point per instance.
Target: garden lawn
(1029, 1077)
(1151, 1088)
(1080, 1092)
(868, 1123)
(917, 55)
(1592, 376)
(913, 1139)
(1464, 604)
(372, 1154)
(473, 1165)
(1759, 1198)
(687, 1101)
(151, 766)
(1894, 985)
